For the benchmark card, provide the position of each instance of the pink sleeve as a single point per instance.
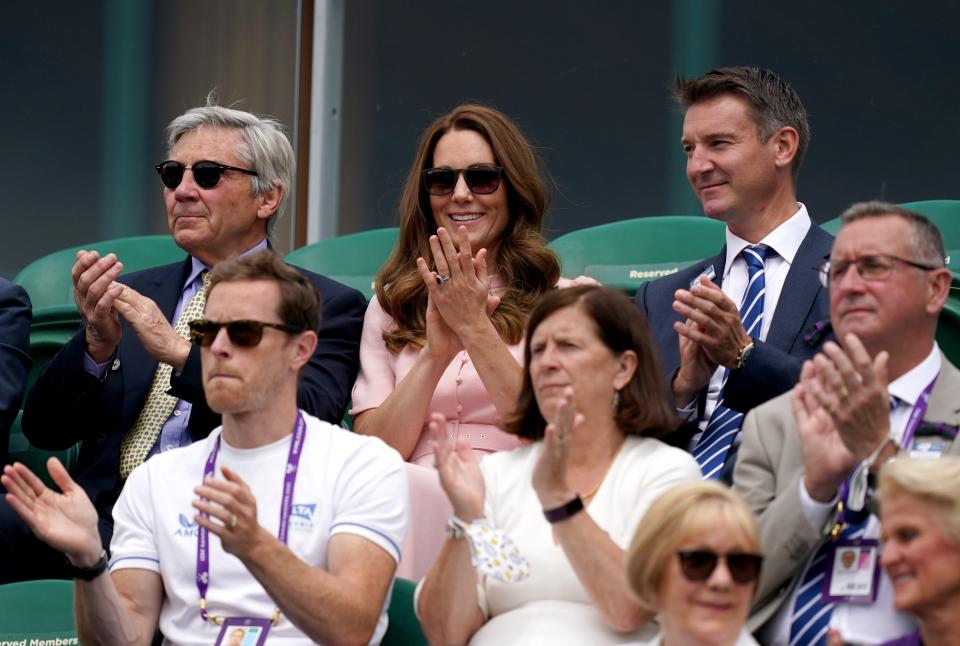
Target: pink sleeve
(563, 283)
(377, 377)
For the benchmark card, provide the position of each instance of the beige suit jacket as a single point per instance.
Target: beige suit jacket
(767, 475)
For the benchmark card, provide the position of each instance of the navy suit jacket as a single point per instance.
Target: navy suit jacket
(15, 362)
(68, 405)
(774, 365)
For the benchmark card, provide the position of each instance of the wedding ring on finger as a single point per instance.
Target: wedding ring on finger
(843, 393)
(442, 279)
(233, 521)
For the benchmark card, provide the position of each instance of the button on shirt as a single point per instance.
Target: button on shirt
(880, 618)
(785, 240)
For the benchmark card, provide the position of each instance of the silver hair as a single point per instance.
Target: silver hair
(927, 242)
(265, 148)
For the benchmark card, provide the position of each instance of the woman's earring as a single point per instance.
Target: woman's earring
(615, 404)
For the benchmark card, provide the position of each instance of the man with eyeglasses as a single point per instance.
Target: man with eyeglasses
(128, 384)
(732, 331)
(809, 457)
(276, 523)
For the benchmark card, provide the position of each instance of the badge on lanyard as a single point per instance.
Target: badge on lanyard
(853, 571)
(243, 631)
(931, 440)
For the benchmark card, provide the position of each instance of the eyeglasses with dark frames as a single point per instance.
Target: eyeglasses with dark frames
(877, 266)
(481, 179)
(698, 565)
(244, 334)
(206, 173)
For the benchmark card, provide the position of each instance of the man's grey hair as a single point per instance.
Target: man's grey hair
(265, 148)
(927, 243)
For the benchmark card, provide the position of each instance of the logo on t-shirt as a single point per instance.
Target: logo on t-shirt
(186, 527)
(301, 516)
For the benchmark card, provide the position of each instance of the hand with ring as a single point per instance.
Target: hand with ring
(228, 509)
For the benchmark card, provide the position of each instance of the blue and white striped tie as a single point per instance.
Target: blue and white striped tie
(811, 615)
(724, 424)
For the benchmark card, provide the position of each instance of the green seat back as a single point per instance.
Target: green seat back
(404, 627)
(627, 253)
(943, 213)
(48, 282)
(19, 449)
(352, 259)
(37, 612)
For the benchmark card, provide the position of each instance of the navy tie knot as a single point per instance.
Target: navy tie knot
(755, 256)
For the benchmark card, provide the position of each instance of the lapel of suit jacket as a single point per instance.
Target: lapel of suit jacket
(943, 405)
(800, 289)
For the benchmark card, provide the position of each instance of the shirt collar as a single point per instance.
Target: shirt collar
(197, 266)
(785, 239)
(908, 386)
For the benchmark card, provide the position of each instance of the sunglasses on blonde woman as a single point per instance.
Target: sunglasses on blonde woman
(698, 565)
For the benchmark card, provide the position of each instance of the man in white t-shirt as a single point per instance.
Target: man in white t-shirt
(277, 523)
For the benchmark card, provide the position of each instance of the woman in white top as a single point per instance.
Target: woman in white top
(591, 405)
(695, 560)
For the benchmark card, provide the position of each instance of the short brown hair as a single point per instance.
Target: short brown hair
(685, 510)
(299, 302)
(526, 265)
(927, 242)
(773, 102)
(643, 408)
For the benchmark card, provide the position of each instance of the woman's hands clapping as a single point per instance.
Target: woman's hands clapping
(459, 471)
(462, 303)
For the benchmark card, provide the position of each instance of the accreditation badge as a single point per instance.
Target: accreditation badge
(853, 571)
(243, 631)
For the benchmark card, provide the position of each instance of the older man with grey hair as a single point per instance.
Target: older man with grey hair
(128, 384)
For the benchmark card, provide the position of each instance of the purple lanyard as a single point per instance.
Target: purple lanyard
(916, 416)
(286, 507)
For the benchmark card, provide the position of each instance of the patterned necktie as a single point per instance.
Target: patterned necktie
(711, 451)
(135, 445)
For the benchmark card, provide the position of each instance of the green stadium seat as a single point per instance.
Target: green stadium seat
(19, 449)
(37, 612)
(352, 259)
(627, 253)
(404, 628)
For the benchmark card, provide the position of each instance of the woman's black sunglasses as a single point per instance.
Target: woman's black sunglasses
(244, 334)
(698, 565)
(481, 179)
(205, 173)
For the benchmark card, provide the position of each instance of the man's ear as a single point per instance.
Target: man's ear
(938, 289)
(786, 142)
(306, 344)
(269, 201)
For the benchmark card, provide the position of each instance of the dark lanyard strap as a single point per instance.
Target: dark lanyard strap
(286, 507)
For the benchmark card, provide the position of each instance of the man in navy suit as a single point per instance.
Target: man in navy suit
(227, 178)
(15, 316)
(745, 133)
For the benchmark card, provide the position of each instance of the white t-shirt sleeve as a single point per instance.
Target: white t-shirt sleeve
(372, 497)
(133, 544)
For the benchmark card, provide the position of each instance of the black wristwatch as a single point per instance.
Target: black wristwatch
(92, 572)
(564, 511)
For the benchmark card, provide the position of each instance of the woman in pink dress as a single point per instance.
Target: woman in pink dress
(443, 332)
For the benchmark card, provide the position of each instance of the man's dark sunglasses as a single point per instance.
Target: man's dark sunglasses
(481, 179)
(698, 565)
(205, 173)
(244, 334)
